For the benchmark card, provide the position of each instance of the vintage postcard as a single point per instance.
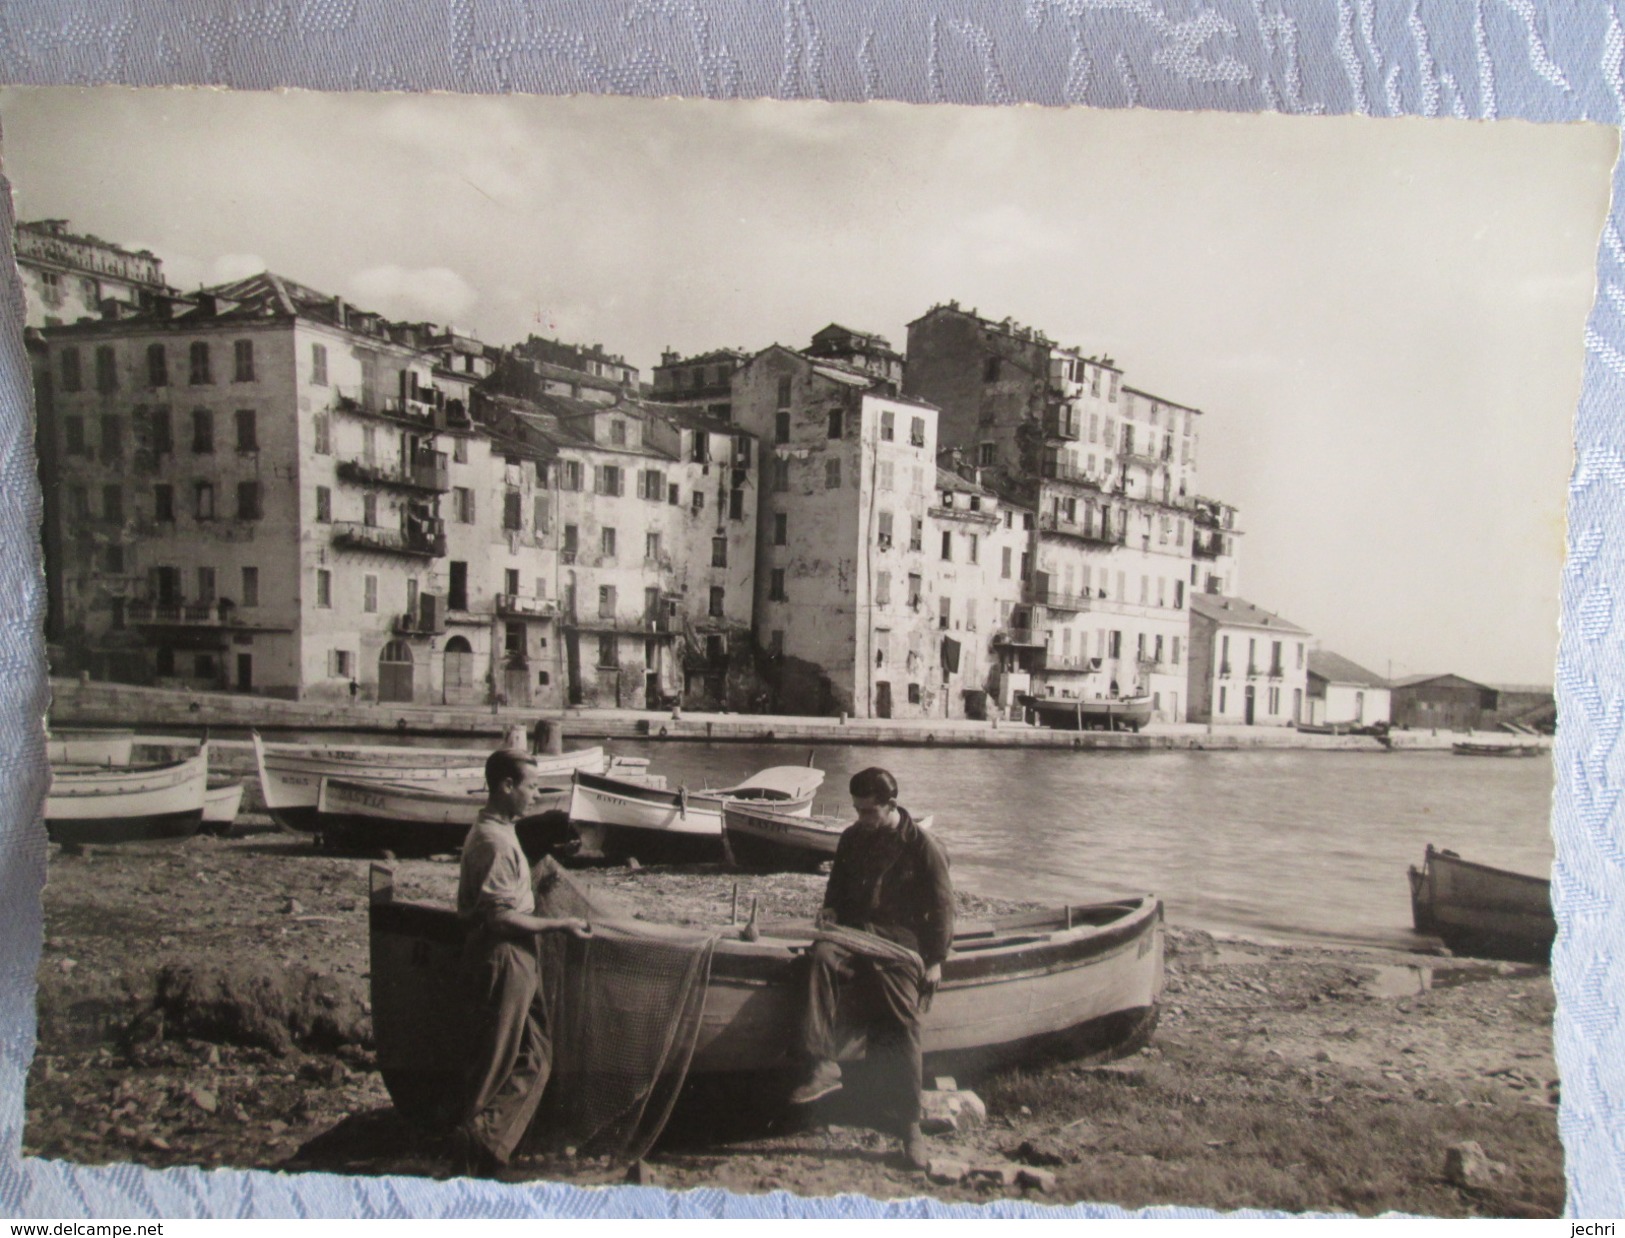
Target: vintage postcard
(1020, 641)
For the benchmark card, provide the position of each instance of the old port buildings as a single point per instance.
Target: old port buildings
(258, 487)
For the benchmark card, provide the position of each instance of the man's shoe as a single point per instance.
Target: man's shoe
(915, 1151)
(824, 1079)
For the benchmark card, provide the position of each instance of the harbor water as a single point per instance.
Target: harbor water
(1279, 845)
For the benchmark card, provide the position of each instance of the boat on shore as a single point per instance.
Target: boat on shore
(1061, 983)
(758, 837)
(1105, 713)
(291, 775)
(416, 819)
(222, 801)
(1480, 911)
(88, 746)
(141, 803)
(620, 818)
(1465, 749)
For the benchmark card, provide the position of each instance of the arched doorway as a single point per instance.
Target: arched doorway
(459, 679)
(395, 672)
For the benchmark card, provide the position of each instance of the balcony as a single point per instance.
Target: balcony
(186, 614)
(427, 473)
(427, 540)
(1055, 470)
(361, 402)
(1048, 522)
(1276, 672)
(518, 604)
(1030, 637)
(1036, 595)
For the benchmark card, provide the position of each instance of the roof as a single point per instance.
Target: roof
(1335, 668)
(947, 479)
(1524, 689)
(1240, 613)
(716, 354)
(1411, 681)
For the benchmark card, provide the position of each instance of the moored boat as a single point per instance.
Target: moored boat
(763, 838)
(619, 817)
(86, 746)
(127, 804)
(1060, 983)
(1464, 749)
(1482, 911)
(411, 818)
(222, 801)
(291, 775)
(1106, 713)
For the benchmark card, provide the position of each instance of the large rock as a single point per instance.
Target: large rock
(944, 1111)
(1466, 1164)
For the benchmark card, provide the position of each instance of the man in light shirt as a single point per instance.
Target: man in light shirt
(509, 1049)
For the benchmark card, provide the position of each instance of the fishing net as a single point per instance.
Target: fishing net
(624, 1010)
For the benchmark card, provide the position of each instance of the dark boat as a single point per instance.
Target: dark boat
(1496, 750)
(1106, 713)
(1062, 983)
(1482, 911)
(769, 840)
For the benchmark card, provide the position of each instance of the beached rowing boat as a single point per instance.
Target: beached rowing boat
(1482, 911)
(1061, 983)
(222, 801)
(127, 804)
(766, 839)
(291, 775)
(618, 817)
(76, 746)
(1106, 713)
(412, 819)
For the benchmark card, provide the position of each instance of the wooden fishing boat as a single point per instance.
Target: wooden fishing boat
(410, 818)
(1106, 713)
(127, 804)
(222, 801)
(758, 837)
(1063, 983)
(87, 746)
(291, 775)
(618, 817)
(1496, 750)
(1482, 911)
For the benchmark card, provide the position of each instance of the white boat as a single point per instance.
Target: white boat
(291, 775)
(618, 817)
(222, 801)
(88, 747)
(131, 804)
(408, 818)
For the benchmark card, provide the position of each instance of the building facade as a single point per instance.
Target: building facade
(1108, 471)
(1341, 691)
(1246, 665)
(703, 381)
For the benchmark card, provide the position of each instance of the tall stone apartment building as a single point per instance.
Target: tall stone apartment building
(1109, 472)
(67, 276)
(262, 488)
(872, 568)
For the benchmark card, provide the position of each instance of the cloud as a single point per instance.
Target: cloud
(434, 294)
(228, 267)
(187, 271)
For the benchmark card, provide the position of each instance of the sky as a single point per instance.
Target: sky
(1381, 320)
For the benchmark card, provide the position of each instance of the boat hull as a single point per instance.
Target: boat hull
(1483, 912)
(1007, 997)
(127, 805)
(620, 820)
(221, 804)
(364, 817)
(1106, 714)
(1497, 750)
(778, 842)
(290, 778)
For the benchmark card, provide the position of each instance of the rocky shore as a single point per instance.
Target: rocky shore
(206, 1004)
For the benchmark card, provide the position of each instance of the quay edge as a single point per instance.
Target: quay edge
(77, 703)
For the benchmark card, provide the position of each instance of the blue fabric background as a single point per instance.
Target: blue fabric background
(1544, 60)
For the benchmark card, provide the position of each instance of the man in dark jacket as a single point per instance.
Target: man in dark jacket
(885, 928)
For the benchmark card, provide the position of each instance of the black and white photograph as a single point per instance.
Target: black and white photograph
(995, 654)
